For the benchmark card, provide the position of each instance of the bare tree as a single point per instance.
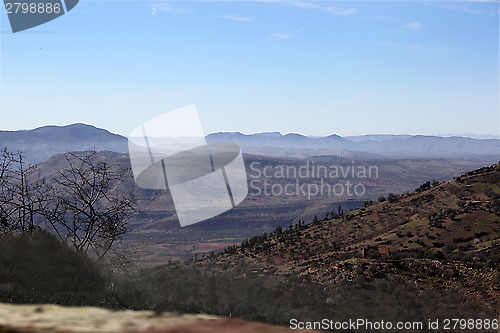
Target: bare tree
(7, 211)
(91, 206)
(23, 193)
(86, 203)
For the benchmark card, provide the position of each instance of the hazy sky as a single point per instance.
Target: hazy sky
(312, 67)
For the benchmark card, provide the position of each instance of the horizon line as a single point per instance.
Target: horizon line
(449, 135)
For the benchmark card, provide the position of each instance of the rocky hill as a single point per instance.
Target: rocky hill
(432, 253)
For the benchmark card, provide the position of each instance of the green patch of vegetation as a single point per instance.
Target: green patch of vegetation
(415, 222)
(481, 187)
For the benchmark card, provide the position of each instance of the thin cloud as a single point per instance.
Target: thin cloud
(461, 8)
(414, 25)
(329, 9)
(168, 9)
(407, 25)
(473, 7)
(303, 5)
(286, 35)
(339, 11)
(236, 18)
(281, 35)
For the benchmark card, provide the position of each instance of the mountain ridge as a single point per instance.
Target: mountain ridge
(416, 144)
(41, 143)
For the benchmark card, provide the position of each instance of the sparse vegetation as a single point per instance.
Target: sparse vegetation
(411, 254)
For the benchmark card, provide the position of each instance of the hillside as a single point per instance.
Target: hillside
(157, 236)
(46, 286)
(427, 255)
(458, 216)
(434, 253)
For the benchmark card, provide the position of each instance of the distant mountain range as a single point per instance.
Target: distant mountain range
(41, 143)
(400, 144)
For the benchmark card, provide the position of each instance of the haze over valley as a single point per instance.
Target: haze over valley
(401, 163)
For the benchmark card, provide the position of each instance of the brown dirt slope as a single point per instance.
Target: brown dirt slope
(441, 241)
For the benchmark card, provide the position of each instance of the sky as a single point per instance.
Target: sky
(310, 67)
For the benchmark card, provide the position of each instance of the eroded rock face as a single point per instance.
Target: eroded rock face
(60, 319)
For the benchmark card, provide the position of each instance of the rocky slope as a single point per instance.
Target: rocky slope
(432, 253)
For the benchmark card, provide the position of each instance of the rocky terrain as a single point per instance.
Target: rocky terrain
(431, 253)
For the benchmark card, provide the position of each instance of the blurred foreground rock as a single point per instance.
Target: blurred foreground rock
(60, 319)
